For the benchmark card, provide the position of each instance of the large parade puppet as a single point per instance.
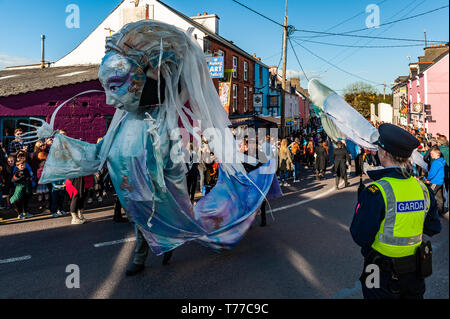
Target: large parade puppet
(156, 77)
(343, 122)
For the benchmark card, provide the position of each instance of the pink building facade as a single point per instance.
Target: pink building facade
(436, 86)
(303, 109)
(427, 91)
(416, 97)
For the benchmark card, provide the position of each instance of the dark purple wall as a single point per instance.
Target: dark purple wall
(86, 122)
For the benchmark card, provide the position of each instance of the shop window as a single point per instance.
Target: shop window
(235, 100)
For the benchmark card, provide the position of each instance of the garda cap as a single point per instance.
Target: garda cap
(396, 140)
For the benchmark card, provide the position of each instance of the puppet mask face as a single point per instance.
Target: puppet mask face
(123, 81)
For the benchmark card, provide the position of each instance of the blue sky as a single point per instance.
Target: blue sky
(22, 23)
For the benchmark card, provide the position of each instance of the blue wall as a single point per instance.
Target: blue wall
(262, 86)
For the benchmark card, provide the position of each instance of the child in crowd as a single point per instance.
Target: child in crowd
(42, 190)
(22, 156)
(22, 179)
(58, 195)
(436, 177)
(8, 187)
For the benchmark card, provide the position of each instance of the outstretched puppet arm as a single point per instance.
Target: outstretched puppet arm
(70, 158)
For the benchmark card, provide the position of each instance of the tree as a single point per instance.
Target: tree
(360, 95)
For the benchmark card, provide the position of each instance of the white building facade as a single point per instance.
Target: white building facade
(92, 49)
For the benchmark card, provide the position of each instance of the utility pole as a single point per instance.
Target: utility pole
(384, 91)
(283, 80)
(425, 33)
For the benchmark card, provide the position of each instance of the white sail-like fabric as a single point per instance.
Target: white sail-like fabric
(346, 119)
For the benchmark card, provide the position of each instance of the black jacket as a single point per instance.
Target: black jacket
(321, 158)
(370, 212)
(340, 157)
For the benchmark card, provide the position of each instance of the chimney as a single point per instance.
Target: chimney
(42, 51)
(295, 82)
(209, 21)
(433, 51)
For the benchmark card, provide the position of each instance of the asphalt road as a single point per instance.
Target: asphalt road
(306, 252)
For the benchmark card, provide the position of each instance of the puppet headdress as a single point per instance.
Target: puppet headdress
(178, 58)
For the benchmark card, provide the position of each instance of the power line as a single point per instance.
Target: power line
(363, 46)
(345, 34)
(336, 67)
(260, 14)
(358, 40)
(399, 20)
(345, 21)
(330, 28)
(363, 36)
(389, 27)
(304, 73)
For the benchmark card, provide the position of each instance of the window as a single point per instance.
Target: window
(418, 97)
(235, 65)
(410, 84)
(206, 46)
(245, 99)
(260, 74)
(235, 101)
(9, 124)
(245, 71)
(418, 81)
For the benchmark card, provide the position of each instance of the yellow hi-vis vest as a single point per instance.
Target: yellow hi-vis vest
(407, 202)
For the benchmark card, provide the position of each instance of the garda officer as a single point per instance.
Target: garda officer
(391, 215)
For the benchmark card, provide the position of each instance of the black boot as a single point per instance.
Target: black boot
(167, 257)
(118, 213)
(120, 219)
(263, 214)
(134, 269)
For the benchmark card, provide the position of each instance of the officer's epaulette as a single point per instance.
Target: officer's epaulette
(373, 189)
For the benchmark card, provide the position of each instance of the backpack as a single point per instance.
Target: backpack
(294, 149)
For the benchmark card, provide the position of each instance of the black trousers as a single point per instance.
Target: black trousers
(341, 172)
(58, 200)
(21, 205)
(117, 209)
(406, 286)
(192, 178)
(390, 285)
(439, 195)
(263, 214)
(77, 203)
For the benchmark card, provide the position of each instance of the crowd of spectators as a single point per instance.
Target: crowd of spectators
(21, 167)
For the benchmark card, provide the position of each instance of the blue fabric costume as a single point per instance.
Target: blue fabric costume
(142, 155)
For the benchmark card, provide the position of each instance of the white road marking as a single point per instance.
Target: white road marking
(12, 260)
(303, 201)
(115, 242)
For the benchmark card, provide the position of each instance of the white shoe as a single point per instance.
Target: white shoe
(90, 200)
(100, 199)
(287, 184)
(81, 216)
(77, 221)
